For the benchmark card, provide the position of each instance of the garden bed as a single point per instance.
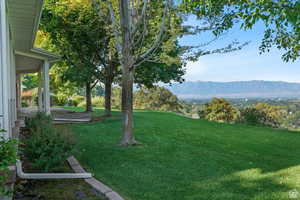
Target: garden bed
(45, 149)
(55, 190)
(10, 175)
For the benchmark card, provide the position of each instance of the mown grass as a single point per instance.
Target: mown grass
(184, 158)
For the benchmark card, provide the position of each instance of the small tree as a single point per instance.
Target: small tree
(220, 110)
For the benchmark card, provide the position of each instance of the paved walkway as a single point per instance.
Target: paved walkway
(59, 115)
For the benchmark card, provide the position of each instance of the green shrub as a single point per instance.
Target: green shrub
(60, 99)
(201, 114)
(98, 101)
(47, 147)
(252, 116)
(24, 105)
(40, 119)
(82, 104)
(220, 110)
(53, 100)
(8, 156)
(156, 98)
(263, 114)
(116, 97)
(77, 100)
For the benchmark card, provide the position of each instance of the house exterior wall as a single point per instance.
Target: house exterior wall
(7, 75)
(8, 58)
(1, 69)
(4, 70)
(13, 88)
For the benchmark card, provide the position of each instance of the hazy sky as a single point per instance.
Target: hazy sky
(246, 64)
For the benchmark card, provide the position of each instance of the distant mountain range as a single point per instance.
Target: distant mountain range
(237, 89)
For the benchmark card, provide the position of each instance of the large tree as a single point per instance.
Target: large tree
(169, 67)
(143, 30)
(139, 38)
(72, 32)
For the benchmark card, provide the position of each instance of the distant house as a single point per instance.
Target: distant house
(19, 20)
(28, 97)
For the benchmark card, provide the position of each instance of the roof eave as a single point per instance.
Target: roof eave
(53, 57)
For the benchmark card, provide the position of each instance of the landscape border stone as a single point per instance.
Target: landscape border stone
(96, 184)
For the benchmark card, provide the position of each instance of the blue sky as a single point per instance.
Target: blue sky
(246, 64)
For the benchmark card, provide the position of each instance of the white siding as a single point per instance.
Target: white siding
(7, 75)
(46, 86)
(14, 86)
(5, 69)
(1, 67)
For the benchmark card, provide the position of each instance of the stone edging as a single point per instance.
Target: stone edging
(97, 185)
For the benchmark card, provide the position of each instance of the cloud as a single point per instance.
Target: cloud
(195, 70)
(246, 64)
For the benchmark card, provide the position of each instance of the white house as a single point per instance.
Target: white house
(19, 22)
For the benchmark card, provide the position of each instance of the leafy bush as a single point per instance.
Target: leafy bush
(292, 120)
(252, 116)
(82, 104)
(263, 114)
(220, 110)
(96, 101)
(116, 97)
(60, 99)
(24, 105)
(77, 100)
(47, 147)
(99, 101)
(201, 114)
(8, 156)
(39, 120)
(156, 98)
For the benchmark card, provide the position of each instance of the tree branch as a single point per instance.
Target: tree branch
(160, 35)
(115, 29)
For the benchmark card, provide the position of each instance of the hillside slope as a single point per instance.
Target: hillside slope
(238, 89)
(188, 159)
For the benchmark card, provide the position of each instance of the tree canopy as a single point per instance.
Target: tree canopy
(157, 98)
(281, 19)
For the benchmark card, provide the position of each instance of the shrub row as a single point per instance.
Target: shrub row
(47, 146)
(8, 156)
(261, 114)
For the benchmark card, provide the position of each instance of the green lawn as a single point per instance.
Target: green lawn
(184, 158)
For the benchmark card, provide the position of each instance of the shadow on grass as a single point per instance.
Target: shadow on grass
(247, 184)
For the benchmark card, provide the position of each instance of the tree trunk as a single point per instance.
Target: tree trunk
(127, 62)
(88, 95)
(127, 109)
(108, 88)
